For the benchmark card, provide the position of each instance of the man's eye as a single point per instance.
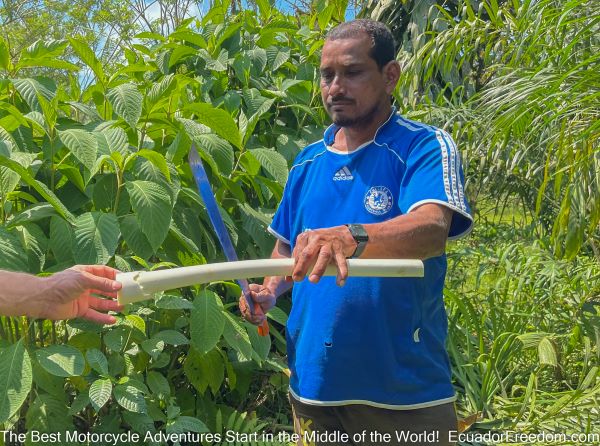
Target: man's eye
(353, 73)
(327, 77)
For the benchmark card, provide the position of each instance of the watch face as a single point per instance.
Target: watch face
(359, 233)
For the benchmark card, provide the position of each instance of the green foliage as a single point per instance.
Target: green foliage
(15, 369)
(98, 174)
(523, 333)
(516, 84)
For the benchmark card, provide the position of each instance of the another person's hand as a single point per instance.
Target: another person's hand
(320, 247)
(263, 298)
(70, 294)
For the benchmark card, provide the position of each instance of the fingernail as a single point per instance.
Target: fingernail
(342, 282)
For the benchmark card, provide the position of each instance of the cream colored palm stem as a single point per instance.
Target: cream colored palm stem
(141, 285)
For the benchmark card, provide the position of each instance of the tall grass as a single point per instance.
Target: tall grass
(524, 333)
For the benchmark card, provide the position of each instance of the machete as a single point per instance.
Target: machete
(219, 226)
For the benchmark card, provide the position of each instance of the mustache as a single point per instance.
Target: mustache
(341, 100)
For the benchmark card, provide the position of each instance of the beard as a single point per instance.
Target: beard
(363, 119)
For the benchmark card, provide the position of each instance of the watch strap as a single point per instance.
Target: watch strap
(361, 238)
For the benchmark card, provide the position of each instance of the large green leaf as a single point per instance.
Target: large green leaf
(219, 150)
(255, 223)
(218, 120)
(127, 102)
(260, 344)
(112, 140)
(97, 361)
(172, 337)
(29, 89)
(33, 213)
(130, 397)
(236, 336)
(44, 48)
(100, 391)
(87, 56)
(61, 239)
(184, 424)
(9, 179)
(277, 56)
(48, 413)
(258, 56)
(161, 88)
(83, 145)
(134, 237)
(96, 237)
(40, 187)
(204, 371)
(15, 379)
(206, 321)
(158, 160)
(152, 206)
(158, 384)
(35, 243)
(13, 255)
(61, 360)
(85, 110)
(45, 54)
(257, 106)
(273, 162)
(105, 191)
(169, 302)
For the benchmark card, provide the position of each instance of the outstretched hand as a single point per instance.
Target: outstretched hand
(71, 293)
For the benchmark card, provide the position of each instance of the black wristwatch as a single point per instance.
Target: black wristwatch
(360, 236)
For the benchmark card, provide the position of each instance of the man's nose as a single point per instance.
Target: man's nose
(337, 86)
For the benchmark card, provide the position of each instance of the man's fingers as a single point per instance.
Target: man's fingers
(303, 261)
(98, 270)
(342, 267)
(104, 304)
(262, 297)
(255, 318)
(100, 318)
(112, 294)
(102, 284)
(322, 261)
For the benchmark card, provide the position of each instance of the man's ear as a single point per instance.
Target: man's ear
(391, 74)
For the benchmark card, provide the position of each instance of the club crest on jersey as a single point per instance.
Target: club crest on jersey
(378, 200)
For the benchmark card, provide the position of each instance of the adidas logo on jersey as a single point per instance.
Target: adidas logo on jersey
(343, 174)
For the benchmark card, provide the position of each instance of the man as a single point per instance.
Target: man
(368, 353)
(64, 295)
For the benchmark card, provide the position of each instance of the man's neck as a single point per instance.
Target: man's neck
(348, 139)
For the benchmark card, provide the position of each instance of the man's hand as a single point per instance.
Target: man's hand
(70, 294)
(321, 247)
(263, 298)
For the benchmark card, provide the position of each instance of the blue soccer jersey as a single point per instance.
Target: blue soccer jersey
(375, 341)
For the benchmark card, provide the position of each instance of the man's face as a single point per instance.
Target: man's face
(353, 87)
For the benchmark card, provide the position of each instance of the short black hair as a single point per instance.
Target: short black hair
(383, 48)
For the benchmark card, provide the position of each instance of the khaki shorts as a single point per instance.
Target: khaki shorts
(358, 424)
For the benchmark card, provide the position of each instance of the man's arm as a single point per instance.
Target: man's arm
(420, 234)
(279, 284)
(64, 295)
(265, 295)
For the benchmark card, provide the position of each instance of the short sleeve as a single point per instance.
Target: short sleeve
(281, 226)
(434, 175)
